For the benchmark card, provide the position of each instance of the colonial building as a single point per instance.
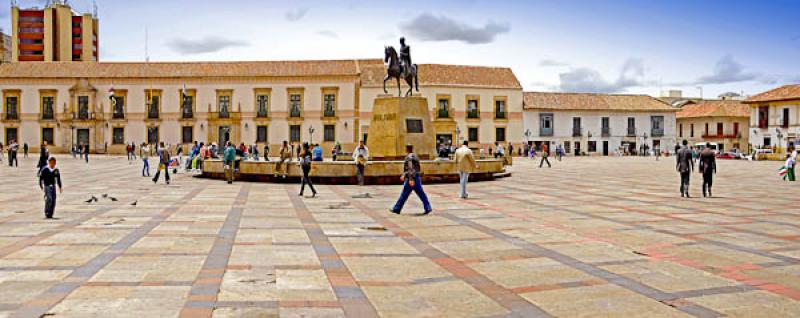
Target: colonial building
(5, 48)
(775, 118)
(598, 124)
(54, 33)
(718, 121)
(108, 105)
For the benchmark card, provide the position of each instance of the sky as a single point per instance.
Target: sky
(614, 46)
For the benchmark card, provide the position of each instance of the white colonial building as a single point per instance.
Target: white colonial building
(598, 124)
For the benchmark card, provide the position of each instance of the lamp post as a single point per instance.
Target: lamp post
(644, 144)
(780, 139)
(311, 134)
(458, 136)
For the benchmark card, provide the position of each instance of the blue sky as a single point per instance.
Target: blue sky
(600, 46)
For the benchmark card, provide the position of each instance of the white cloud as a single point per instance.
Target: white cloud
(328, 34)
(552, 62)
(208, 44)
(428, 27)
(727, 70)
(584, 79)
(296, 14)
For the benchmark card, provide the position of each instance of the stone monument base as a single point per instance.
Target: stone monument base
(397, 122)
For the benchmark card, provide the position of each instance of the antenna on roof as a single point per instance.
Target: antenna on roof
(146, 54)
(94, 8)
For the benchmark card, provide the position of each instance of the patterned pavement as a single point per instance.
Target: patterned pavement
(589, 237)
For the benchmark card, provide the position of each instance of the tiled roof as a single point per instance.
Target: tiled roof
(785, 92)
(180, 69)
(448, 75)
(593, 102)
(717, 108)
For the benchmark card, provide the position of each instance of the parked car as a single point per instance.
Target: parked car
(729, 155)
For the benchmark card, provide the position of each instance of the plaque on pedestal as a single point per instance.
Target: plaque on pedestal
(397, 122)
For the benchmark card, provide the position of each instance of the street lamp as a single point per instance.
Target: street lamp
(780, 139)
(458, 135)
(311, 134)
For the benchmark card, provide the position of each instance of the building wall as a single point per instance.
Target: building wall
(591, 122)
(243, 109)
(486, 124)
(769, 136)
(56, 34)
(730, 138)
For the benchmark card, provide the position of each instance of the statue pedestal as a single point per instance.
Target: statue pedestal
(397, 122)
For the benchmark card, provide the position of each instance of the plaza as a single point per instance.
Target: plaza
(591, 236)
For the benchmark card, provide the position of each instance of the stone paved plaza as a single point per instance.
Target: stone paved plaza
(607, 237)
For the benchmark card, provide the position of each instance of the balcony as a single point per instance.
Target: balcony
(83, 114)
(48, 115)
(225, 116)
(118, 115)
(576, 132)
(657, 132)
(152, 114)
(443, 113)
(187, 113)
(262, 113)
(500, 115)
(329, 113)
(11, 115)
(631, 132)
(546, 132)
(473, 114)
(605, 132)
(295, 113)
(720, 136)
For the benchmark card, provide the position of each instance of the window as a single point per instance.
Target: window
(329, 133)
(261, 133)
(48, 107)
(736, 130)
(576, 126)
(187, 106)
(631, 126)
(295, 105)
(443, 107)
(567, 147)
(657, 126)
(680, 130)
(472, 134)
(187, 134)
(785, 118)
(605, 124)
(118, 136)
(500, 109)
(472, 109)
(763, 117)
(83, 107)
(262, 106)
(118, 103)
(294, 133)
(48, 136)
(720, 129)
(329, 104)
(691, 130)
(152, 108)
(592, 146)
(152, 135)
(500, 134)
(224, 106)
(706, 134)
(546, 124)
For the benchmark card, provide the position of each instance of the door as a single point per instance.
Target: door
(11, 134)
(605, 147)
(83, 137)
(152, 135)
(577, 148)
(224, 136)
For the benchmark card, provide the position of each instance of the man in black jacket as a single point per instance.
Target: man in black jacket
(411, 182)
(44, 153)
(684, 165)
(49, 177)
(708, 167)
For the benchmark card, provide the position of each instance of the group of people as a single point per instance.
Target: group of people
(685, 166)
(13, 149)
(81, 150)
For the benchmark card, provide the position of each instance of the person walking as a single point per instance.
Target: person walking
(144, 153)
(266, 152)
(499, 152)
(411, 182)
(284, 156)
(708, 167)
(361, 156)
(25, 149)
(44, 155)
(684, 165)
(13, 148)
(545, 154)
(86, 152)
(228, 160)
(1, 152)
(305, 164)
(49, 177)
(465, 162)
(789, 166)
(163, 162)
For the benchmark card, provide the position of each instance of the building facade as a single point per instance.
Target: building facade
(721, 121)
(5, 48)
(598, 124)
(108, 105)
(54, 33)
(775, 118)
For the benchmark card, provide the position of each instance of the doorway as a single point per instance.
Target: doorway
(152, 135)
(577, 148)
(11, 134)
(83, 137)
(224, 136)
(605, 147)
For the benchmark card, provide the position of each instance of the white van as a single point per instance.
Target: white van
(702, 146)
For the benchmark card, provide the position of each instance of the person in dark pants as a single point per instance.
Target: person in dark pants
(360, 156)
(163, 163)
(228, 160)
(44, 154)
(49, 177)
(411, 182)
(13, 149)
(708, 167)
(305, 164)
(25, 149)
(545, 154)
(86, 153)
(684, 165)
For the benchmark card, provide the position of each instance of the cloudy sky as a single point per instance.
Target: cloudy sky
(578, 46)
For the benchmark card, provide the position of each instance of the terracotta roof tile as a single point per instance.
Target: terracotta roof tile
(448, 75)
(179, 69)
(593, 102)
(716, 108)
(785, 92)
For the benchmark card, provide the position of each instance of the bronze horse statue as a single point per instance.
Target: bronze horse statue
(397, 71)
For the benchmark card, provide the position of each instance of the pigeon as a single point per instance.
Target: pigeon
(113, 199)
(92, 199)
(105, 195)
(134, 202)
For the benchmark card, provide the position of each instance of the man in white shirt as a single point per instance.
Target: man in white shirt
(360, 156)
(465, 162)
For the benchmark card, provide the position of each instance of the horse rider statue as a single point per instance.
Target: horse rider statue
(401, 67)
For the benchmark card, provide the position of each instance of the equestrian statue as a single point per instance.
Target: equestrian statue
(400, 67)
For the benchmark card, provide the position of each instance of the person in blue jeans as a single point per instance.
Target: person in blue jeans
(411, 182)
